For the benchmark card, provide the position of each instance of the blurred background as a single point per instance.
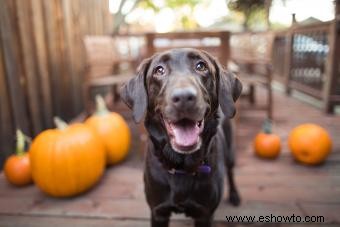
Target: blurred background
(56, 56)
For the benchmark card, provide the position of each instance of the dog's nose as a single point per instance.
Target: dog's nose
(184, 97)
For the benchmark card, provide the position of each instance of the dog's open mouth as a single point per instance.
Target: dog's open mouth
(184, 134)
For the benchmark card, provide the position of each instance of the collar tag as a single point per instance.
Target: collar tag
(204, 169)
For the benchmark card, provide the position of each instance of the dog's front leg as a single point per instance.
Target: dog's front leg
(157, 221)
(203, 221)
(160, 215)
(234, 197)
(227, 127)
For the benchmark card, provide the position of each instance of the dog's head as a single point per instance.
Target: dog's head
(181, 91)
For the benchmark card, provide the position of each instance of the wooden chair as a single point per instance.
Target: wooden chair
(251, 53)
(216, 43)
(103, 67)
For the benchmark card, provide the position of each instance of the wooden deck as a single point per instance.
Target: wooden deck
(279, 187)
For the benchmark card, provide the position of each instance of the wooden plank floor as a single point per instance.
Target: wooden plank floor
(280, 187)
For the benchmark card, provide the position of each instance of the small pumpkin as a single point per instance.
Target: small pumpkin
(17, 168)
(310, 144)
(113, 130)
(68, 160)
(266, 144)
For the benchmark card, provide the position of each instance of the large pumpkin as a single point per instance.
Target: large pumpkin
(310, 144)
(17, 167)
(68, 160)
(113, 131)
(266, 144)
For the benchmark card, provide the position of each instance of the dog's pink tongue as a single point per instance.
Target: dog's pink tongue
(185, 135)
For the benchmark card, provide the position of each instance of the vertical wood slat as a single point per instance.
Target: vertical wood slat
(105, 15)
(65, 73)
(330, 69)
(6, 121)
(96, 17)
(69, 52)
(79, 9)
(42, 61)
(102, 16)
(77, 62)
(225, 53)
(87, 24)
(78, 53)
(29, 64)
(68, 48)
(89, 14)
(13, 65)
(150, 48)
(332, 64)
(288, 60)
(52, 49)
(60, 86)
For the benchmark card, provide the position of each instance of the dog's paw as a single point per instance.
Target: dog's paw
(234, 198)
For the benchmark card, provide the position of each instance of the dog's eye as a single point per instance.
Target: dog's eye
(159, 71)
(201, 66)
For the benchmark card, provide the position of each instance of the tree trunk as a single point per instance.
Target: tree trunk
(247, 15)
(119, 17)
(267, 5)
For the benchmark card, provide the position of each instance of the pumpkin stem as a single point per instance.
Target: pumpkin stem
(60, 123)
(267, 126)
(101, 108)
(20, 149)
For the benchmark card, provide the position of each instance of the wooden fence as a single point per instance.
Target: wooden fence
(306, 58)
(41, 61)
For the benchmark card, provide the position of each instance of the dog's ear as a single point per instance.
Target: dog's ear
(228, 87)
(134, 92)
(229, 90)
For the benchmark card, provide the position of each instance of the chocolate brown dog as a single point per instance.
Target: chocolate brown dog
(187, 99)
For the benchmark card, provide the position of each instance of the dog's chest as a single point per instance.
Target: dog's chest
(185, 187)
(193, 195)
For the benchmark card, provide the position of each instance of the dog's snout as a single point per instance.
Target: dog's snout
(186, 96)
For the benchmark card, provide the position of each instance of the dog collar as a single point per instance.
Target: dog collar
(204, 168)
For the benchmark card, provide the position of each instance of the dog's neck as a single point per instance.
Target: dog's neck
(204, 168)
(169, 158)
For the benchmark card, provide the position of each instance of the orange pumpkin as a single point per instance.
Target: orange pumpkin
(310, 144)
(266, 144)
(68, 160)
(113, 131)
(17, 167)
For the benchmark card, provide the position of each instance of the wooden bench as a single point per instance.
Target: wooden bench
(103, 67)
(252, 55)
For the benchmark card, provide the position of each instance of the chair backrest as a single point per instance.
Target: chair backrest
(252, 51)
(216, 43)
(101, 55)
(252, 48)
